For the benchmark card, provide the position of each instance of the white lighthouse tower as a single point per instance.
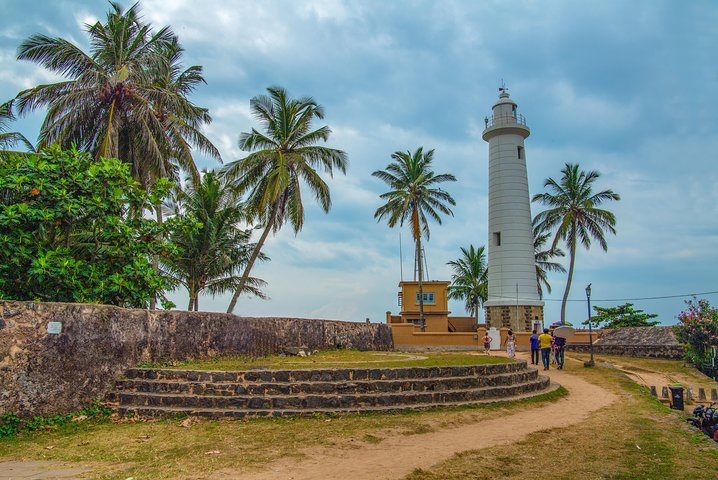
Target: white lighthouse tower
(513, 291)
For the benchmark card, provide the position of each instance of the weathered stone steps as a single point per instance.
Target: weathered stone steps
(322, 375)
(156, 392)
(284, 402)
(161, 411)
(297, 388)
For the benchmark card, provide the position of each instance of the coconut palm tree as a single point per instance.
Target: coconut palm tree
(8, 140)
(411, 198)
(283, 157)
(212, 255)
(470, 280)
(112, 105)
(181, 119)
(543, 259)
(573, 211)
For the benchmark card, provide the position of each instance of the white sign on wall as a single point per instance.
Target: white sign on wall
(54, 328)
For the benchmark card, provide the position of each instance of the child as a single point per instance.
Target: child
(487, 344)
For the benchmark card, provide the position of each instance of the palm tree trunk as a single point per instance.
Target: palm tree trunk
(196, 301)
(572, 252)
(421, 288)
(252, 259)
(476, 306)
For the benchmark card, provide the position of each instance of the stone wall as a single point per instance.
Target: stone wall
(645, 351)
(45, 374)
(647, 342)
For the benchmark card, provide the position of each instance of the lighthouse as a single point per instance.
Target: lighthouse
(513, 299)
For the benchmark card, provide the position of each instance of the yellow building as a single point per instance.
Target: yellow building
(436, 308)
(443, 332)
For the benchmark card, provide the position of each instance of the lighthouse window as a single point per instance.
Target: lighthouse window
(497, 239)
(513, 110)
(520, 152)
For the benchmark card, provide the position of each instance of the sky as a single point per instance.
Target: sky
(626, 88)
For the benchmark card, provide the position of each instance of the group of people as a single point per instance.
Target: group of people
(550, 346)
(552, 349)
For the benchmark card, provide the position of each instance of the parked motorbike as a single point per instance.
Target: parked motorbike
(706, 420)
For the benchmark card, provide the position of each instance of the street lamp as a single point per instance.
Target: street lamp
(590, 363)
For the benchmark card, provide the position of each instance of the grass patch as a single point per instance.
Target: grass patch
(634, 438)
(335, 359)
(164, 449)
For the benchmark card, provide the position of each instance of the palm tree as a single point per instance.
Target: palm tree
(573, 212)
(112, 105)
(470, 280)
(411, 198)
(8, 140)
(212, 255)
(180, 118)
(543, 259)
(282, 157)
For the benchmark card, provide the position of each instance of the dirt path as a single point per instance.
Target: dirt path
(397, 455)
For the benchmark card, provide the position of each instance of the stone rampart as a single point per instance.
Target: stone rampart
(46, 374)
(645, 351)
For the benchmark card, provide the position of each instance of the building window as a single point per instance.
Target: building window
(513, 110)
(428, 297)
(497, 239)
(415, 321)
(520, 152)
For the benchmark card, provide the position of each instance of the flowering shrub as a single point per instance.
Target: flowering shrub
(698, 329)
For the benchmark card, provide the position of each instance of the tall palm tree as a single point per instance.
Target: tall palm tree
(411, 198)
(283, 157)
(181, 119)
(573, 212)
(111, 105)
(470, 280)
(214, 254)
(543, 257)
(8, 140)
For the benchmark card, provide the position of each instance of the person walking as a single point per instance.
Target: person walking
(559, 347)
(544, 341)
(511, 344)
(534, 348)
(487, 343)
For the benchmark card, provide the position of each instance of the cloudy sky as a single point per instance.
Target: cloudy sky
(626, 88)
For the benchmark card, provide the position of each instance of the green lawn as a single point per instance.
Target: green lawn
(338, 359)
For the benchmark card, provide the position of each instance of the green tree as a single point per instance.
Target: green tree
(66, 234)
(283, 157)
(543, 258)
(115, 103)
(574, 213)
(214, 253)
(8, 140)
(470, 280)
(621, 316)
(411, 198)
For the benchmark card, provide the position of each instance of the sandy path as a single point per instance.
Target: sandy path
(397, 455)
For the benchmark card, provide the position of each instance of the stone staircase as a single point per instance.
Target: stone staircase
(260, 393)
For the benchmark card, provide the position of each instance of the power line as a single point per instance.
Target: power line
(662, 297)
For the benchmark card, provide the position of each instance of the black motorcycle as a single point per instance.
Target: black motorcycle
(705, 419)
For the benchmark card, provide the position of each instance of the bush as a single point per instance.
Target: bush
(698, 330)
(72, 229)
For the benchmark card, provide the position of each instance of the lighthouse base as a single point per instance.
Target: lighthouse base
(518, 318)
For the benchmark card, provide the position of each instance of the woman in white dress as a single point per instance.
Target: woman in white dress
(511, 345)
